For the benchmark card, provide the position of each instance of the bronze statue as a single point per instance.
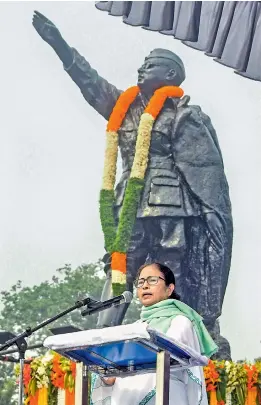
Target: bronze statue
(184, 216)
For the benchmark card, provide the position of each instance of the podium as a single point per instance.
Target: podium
(127, 350)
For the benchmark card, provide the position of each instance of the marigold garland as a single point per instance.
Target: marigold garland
(45, 375)
(117, 238)
(252, 379)
(227, 383)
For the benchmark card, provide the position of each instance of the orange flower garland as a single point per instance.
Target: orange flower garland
(117, 238)
(45, 376)
(212, 379)
(57, 375)
(219, 378)
(118, 261)
(252, 378)
(121, 108)
(211, 376)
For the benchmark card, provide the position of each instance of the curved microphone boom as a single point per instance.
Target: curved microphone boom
(124, 298)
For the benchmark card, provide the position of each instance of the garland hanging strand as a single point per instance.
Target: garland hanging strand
(110, 165)
(117, 239)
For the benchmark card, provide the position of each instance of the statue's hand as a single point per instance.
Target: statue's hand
(46, 29)
(215, 229)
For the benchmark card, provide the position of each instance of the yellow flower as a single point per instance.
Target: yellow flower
(41, 370)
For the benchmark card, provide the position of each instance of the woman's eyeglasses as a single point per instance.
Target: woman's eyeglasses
(151, 280)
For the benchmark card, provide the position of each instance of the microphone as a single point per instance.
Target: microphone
(124, 298)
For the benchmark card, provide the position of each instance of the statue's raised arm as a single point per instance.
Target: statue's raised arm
(100, 94)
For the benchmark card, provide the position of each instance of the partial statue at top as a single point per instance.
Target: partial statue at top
(184, 212)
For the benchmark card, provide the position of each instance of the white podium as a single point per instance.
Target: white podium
(128, 350)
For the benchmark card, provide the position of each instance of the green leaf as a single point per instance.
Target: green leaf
(66, 383)
(107, 218)
(128, 214)
(32, 386)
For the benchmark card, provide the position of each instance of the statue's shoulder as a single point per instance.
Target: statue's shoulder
(196, 117)
(184, 103)
(178, 112)
(191, 117)
(174, 105)
(184, 108)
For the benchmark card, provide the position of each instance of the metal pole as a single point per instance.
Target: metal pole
(36, 346)
(85, 391)
(21, 382)
(162, 378)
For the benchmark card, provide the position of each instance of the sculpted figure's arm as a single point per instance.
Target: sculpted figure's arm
(100, 94)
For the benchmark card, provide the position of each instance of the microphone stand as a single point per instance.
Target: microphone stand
(21, 343)
(36, 346)
(10, 359)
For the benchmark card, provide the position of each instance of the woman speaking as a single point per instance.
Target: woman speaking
(163, 311)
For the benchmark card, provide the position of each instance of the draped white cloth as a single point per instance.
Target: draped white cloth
(187, 387)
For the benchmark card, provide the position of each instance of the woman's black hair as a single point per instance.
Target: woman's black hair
(168, 276)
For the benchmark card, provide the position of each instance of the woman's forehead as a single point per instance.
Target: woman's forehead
(150, 270)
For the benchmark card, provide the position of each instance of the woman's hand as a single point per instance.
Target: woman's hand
(108, 380)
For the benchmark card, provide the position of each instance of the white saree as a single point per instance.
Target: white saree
(187, 387)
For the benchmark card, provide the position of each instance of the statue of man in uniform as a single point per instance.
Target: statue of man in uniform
(184, 215)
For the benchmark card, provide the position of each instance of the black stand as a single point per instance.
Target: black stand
(85, 382)
(36, 346)
(22, 347)
(21, 343)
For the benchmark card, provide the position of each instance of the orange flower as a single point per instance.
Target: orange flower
(118, 261)
(211, 376)
(27, 374)
(58, 379)
(57, 375)
(56, 361)
(121, 107)
(211, 387)
(33, 399)
(252, 375)
(69, 397)
(158, 99)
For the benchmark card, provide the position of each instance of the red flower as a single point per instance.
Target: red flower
(27, 374)
(211, 387)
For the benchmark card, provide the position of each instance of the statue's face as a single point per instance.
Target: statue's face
(153, 74)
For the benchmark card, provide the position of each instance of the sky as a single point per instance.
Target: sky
(52, 149)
